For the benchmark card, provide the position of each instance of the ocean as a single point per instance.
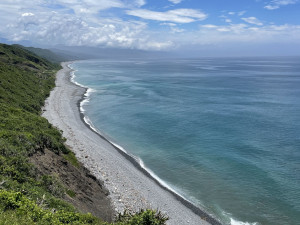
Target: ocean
(222, 132)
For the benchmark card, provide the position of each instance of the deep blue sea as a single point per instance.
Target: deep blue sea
(222, 132)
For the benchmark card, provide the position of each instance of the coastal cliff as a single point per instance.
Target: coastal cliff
(41, 181)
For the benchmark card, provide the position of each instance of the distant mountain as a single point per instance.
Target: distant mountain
(85, 52)
(54, 57)
(70, 53)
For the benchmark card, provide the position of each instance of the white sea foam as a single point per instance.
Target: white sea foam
(140, 161)
(162, 182)
(73, 76)
(91, 125)
(88, 92)
(236, 222)
(70, 66)
(86, 98)
(119, 147)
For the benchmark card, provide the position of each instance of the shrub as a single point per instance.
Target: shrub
(24, 207)
(144, 217)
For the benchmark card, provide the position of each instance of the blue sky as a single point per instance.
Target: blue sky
(212, 27)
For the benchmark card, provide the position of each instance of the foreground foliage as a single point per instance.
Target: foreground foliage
(144, 217)
(28, 212)
(25, 196)
(15, 207)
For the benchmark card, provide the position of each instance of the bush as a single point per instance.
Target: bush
(24, 207)
(144, 217)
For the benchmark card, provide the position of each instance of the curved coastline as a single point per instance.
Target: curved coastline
(203, 217)
(135, 161)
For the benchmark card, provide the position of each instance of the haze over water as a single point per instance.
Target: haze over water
(222, 132)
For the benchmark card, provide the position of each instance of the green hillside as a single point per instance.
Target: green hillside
(29, 193)
(48, 54)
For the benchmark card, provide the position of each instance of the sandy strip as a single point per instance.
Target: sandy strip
(130, 187)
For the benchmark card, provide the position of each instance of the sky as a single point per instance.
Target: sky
(233, 27)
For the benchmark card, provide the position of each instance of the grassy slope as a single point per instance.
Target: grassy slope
(25, 197)
(46, 54)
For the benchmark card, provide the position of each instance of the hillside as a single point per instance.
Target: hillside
(51, 56)
(41, 181)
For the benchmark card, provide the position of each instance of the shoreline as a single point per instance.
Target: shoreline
(144, 170)
(125, 193)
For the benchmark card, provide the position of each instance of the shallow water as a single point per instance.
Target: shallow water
(224, 133)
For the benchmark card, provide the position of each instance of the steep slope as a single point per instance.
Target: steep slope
(35, 165)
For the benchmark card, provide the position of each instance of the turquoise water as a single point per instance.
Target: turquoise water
(224, 133)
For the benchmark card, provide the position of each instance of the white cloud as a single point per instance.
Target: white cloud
(176, 30)
(175, 1)
(83, 7)
(175, 16)
(96, 4)
(80, 22)
(276, 4)
(74, 22)
(271, 7)
(253, 20)
(173, 27)
(45, 26)
(242, 33)
(52, 28)
(140, 3)
(241, 13)
(169, 24)
(209, 26)
(27, 14)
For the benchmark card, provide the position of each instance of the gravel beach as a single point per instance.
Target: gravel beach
(130, 187)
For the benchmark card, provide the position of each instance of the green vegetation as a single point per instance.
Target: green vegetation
(14, 205)
(144, 217)
(27, 197)
(70, 156)
(18, 209)
(48, 54)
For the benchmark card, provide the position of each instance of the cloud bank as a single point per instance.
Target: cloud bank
(137, 25)
(176, 16)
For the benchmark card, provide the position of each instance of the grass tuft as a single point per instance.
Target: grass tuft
(70, 156)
